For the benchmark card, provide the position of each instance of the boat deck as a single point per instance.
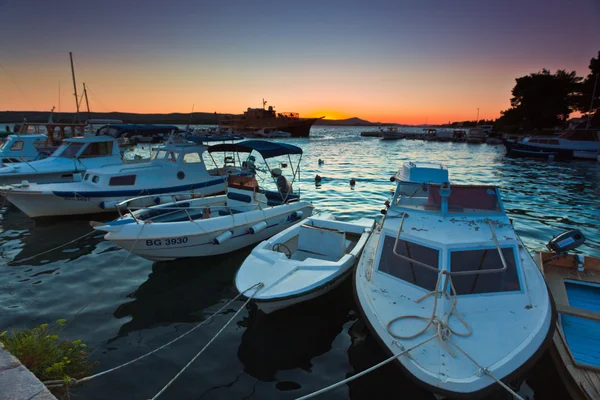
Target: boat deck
(576, 349)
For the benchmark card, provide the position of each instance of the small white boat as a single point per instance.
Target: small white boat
(303, 262)
(173, 168)
(446, 284)
(476, 135)
(216, 225)
(271, 133)
(21, 148)
(74, 156)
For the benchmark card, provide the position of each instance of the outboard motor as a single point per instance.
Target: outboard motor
(566, 241)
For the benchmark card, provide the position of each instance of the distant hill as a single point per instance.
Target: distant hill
(345, 122)
(198, 118)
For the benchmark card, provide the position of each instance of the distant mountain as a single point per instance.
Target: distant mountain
(346, 122)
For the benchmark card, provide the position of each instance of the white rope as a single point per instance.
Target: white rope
(366, 371)
(259, 286)
(89, 378)
(52, 249)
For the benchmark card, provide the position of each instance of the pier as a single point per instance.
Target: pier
(17, 382)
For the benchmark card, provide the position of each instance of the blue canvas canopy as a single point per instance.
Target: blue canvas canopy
(264, 148)
(117, 130)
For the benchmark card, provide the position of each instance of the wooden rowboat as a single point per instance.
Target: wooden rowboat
(576, 342)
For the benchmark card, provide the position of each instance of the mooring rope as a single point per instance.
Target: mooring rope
(57, 383)
(50, 250)
(258, 286)
(366, 371)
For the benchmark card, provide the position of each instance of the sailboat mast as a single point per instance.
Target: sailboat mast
(74, 87)
(87, 103)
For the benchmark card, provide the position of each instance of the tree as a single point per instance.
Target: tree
(584, 99)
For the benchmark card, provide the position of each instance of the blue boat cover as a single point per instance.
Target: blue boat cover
(583, 335)
(265, 148)
(139, 129)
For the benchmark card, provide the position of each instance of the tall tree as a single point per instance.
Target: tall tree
(584, 102)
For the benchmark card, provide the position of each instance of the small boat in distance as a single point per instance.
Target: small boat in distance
(574, 282)
(446, 285)
(255, 119)
(304, 261)
(571, 144)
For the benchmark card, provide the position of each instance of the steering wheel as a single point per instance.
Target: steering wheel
(286, 250)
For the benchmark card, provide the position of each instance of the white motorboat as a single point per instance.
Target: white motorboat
(446, 284)
(272, 133)
(215, 225)
(476, 135)
(303, 262)
(571, 144)
(74, 156)
(173, 168)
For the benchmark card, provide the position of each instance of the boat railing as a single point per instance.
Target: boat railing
(451, 273)
(174, 209)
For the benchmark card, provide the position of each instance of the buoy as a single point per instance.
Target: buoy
(318, 178)
(297, 214)
(321, 162)
(352, 182)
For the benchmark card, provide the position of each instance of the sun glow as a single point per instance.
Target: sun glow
(328, 114)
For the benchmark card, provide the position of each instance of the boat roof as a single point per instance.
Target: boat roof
(90, 139)
(213, 138)
(264, 148)
(422, 172)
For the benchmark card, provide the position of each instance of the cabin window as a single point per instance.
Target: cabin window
(17, 146)
(553, 141)
(98, 149)
(72, 150)
(170, 156)
(125, 180)
(481, 260)
(85, 178)
(192, 158)
(393, 265)
(95, 179)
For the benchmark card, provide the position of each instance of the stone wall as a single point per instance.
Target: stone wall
(17, 382)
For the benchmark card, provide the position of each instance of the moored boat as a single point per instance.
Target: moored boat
(303, 262)
(574, 282)
(246, 215)
(173, 168)
(74, 156)
(255, 119)
(571, 144)
(446, 285)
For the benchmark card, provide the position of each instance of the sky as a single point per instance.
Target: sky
(404, 61)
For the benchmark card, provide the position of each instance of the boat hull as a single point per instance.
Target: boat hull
(164, 246)
(519, 149)
(38, 204)
(297, 128)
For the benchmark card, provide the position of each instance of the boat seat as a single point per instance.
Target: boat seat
(320, 243)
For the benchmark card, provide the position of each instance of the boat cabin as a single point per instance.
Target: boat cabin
(87, 147)
(19, 148)
(580, 135)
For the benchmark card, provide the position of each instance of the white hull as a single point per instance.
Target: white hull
(319, 254)
(46, 204)
(58, 176)
(192, 239)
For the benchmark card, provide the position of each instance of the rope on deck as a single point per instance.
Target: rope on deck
(258, 287)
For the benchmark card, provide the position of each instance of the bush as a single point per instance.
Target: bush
(40, 350)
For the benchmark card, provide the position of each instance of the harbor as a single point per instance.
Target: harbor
(124, 306)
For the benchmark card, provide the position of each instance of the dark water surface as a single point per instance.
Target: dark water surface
(145, 304)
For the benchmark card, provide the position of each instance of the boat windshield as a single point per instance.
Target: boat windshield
(462, 200)
(480, 260)
(405, 270)
(70, 150)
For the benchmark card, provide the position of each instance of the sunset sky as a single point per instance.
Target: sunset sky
(406, 61)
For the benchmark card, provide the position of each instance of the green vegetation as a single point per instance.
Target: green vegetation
(543, 100)
(40, 350)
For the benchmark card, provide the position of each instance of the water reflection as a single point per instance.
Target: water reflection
(292, 337)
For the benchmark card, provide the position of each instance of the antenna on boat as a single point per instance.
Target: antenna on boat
(74, 87)
(50, 121)
(187, 128)
(59, 100)
(87, 103)
(264, 103)
(587, 125)
(477, 120)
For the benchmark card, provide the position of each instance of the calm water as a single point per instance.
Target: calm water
(146, 304)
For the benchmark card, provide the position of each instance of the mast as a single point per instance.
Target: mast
(87, 103)
(59, 100)
(592, 102)
(477, 120)
(74, 87)
(187, 128)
